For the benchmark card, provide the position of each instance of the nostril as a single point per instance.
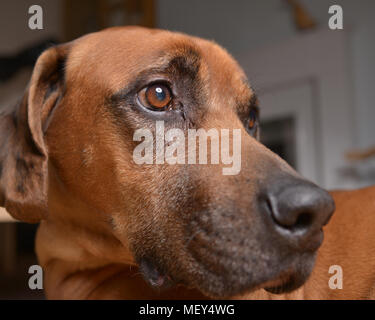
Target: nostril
(295, 223)
(292, 218)
(304, 221)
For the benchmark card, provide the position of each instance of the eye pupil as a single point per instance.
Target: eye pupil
(160, 94)
(157, 96)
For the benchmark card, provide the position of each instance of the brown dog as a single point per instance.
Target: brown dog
(108, 223)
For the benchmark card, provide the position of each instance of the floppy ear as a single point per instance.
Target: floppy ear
(23, 153)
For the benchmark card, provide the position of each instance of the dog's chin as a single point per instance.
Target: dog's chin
(233, 282)
(282, 284)
(286, 283)
(226, 278)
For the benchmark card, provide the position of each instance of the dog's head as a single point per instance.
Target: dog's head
(95, 104)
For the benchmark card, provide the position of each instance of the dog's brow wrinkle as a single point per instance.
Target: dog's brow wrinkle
(176, 67)
(185, 61)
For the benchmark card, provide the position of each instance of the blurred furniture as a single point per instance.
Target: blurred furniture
(302, 18)
(355, 155)
(84, 16)
(361, 165)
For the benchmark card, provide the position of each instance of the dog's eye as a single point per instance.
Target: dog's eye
(252, 121)
(156, 96)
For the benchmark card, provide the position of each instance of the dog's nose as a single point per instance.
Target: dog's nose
(298, 210)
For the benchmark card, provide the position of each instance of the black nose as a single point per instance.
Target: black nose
(298, 210)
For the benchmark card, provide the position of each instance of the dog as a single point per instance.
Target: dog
(113, 229)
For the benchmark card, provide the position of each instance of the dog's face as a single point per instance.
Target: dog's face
(184, 223)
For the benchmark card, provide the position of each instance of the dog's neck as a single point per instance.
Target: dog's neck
(68, 252)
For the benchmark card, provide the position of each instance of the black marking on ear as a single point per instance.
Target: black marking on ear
(21, 165)
(55, 79)
(14, 118)
(46, 121)
(51, 88)
(20, 187)
(22, 169)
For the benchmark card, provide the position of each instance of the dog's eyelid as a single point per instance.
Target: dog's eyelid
(137, 86)
(163, 81)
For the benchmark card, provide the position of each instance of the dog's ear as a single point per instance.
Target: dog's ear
(23, 153)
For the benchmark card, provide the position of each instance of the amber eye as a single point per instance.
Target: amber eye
(156, 96)
(252, 122)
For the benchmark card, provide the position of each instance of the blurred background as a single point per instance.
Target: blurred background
(316, 85)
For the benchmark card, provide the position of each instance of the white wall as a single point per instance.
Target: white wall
(359, 16)
(249, 24)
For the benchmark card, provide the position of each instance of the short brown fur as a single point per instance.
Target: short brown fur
(67, 162)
